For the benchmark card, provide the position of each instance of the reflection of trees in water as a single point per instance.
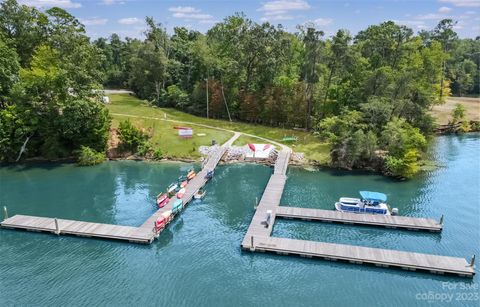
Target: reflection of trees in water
(154, 177)
(63, 191)
(323, 188)
(231, 193)
(378, 237)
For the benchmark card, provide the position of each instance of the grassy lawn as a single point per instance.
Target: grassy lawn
(164, 133)
(165, 137)
(443, 113)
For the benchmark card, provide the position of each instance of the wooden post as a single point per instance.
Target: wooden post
(252, 247)
(155, 233)
(256, 203)
(5, 212)
(441, 220)
(472, 261)
(57, 228)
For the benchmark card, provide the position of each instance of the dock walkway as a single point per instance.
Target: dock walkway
(270, 200)
(78, 228)
(258, 236)
(360, 255)
(194, 185)
(143, 234)
(332, 216)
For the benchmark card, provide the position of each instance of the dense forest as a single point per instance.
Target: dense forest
(49, 74)
(367, 94)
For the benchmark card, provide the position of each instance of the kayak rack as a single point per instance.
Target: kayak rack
(144, 234)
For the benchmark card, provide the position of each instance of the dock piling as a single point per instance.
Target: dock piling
(472, 261)
(5, 212)
(252, 247)
(441, 220)
(57, 228)
(154, 229)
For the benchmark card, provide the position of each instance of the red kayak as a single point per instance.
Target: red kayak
(181, 193)
(160, 223)
(162, 200)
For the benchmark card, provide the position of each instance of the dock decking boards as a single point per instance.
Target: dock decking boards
(143, 234)
(78, 228)
(258, 236)
(389, 221)
(359, 255)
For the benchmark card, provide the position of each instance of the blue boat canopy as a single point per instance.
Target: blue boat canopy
(373, 196)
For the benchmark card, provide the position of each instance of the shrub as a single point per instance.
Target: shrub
(404, 167)
(458, 113)
(131, 137)
(144, 149)
(88, 156)
(398, 137)
(465, 127)
(158, 154)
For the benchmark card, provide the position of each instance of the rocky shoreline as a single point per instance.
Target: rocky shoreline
(234, 154)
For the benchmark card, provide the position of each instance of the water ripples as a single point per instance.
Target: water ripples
(197, 260)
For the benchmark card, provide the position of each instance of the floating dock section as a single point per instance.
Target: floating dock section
(270, 200)
(144, 234)
(366, 255)
(332, 216)
(77, 228)
(258, 237)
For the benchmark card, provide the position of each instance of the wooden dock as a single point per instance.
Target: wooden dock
(332, 216)
(258, 236)
(194, 185)
(366, 255)
(77, 228)
(143, 234)
(270, 200)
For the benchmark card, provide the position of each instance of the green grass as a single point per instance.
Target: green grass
(245, 139)
(165, 137)
(174, 147)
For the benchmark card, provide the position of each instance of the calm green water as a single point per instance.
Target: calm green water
(197, 261)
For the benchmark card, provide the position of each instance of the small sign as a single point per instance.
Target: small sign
(185, 133)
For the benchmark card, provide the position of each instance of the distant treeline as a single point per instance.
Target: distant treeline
(49, 72)
(368, 94)
(262, 74)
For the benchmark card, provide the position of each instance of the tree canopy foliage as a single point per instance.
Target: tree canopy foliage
(49, 74)
(368, 94)
(351, 90)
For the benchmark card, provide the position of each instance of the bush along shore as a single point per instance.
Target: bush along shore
(358, 101)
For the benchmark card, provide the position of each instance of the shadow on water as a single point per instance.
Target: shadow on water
(371, 231)
(346, 267)
(203, 244)
(164, 240)
(41, 165)
(232, 192)
(177, 224)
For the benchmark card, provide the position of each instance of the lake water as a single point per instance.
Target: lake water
(197, 260)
